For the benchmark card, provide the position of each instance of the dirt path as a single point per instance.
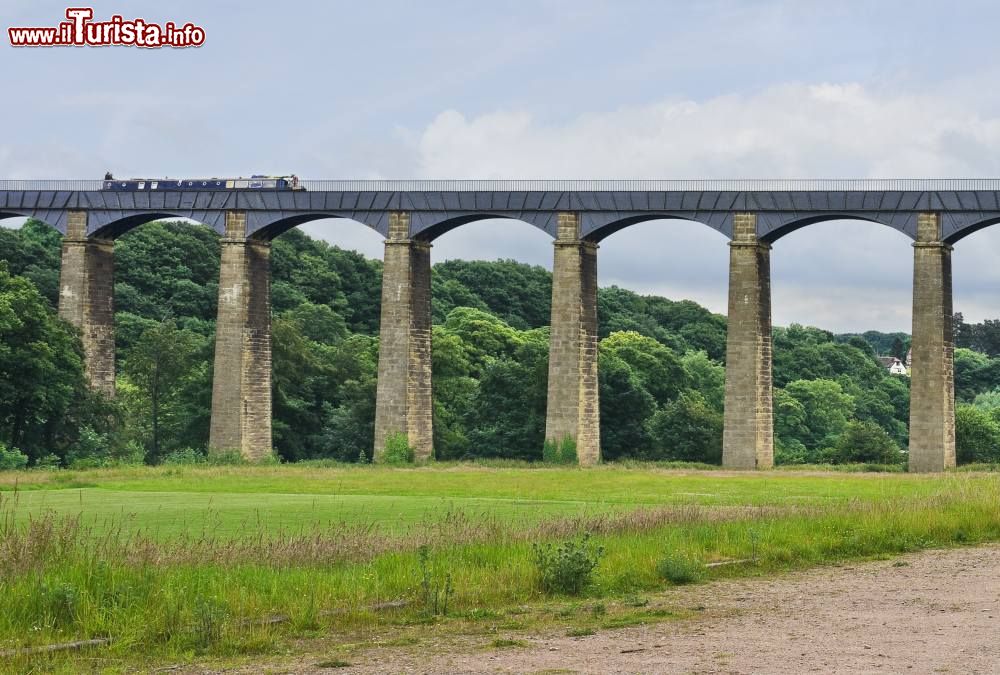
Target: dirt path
(932, 612)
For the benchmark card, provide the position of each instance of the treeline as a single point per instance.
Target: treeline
(661, 364)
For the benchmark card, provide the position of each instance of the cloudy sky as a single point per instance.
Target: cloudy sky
(550, 89)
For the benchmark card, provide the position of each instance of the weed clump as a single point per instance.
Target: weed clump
(184, 457)
(397, 450)
(209, 616)
(681, 568)
(434, 594)
(61, 604)
(567, 568)
(560, 452)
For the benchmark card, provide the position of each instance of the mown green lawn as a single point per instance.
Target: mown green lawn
(222, 513)
(163, 501)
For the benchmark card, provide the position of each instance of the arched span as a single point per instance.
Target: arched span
(116, 228)
(5, 215)
(601, 232)
(965, 231)
(429, 227)
(769, 230)
(54, 219)
(278, 227)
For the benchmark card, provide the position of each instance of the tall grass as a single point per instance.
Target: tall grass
(251, 593)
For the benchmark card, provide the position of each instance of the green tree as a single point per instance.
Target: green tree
(319, 323)
(167, 269)
(827, 410)
(158, 365)
(454, 394)
(973, 374)
(518, 294)
(44, 398)
(484, 336)
(625, 408)
(682, 325)
(687, 429)
(33, 252)
(977, 435)
(309, 270)
(508, 413)
(656, 366)
(707, 377)
(988, 400)
(790, 417)
(898, 349)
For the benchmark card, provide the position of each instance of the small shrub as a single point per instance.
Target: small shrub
(567, 568)
(680, 568)
(131, 454)
(48, 461)
(183, 457)
(397, 450)
(90, 452)
(362, 457)
(12, 459)
(790, 451)
(865, 442)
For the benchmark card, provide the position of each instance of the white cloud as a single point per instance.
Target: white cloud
(823, 130)
(841, 276)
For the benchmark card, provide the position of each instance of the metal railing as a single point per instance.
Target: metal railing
(652, 185)
(53, 185)
(606, 185)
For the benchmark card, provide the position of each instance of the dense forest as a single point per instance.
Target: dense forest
(661, 364)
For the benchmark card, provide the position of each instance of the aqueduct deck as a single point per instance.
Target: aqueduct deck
(753, 214)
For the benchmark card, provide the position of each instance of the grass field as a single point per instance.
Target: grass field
(186, 563)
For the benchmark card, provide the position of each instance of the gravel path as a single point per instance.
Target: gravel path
(931, 612)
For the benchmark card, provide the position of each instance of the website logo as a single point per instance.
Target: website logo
(80, 30)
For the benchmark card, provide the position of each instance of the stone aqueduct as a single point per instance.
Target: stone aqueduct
(577, 214)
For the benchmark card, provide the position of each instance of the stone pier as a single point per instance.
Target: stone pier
(404, 402)
(932, 379)
(87, 298)
(241, 387)
(573, 408)
(748, 435)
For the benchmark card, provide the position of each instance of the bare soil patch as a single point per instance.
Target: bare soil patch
(929, 612)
